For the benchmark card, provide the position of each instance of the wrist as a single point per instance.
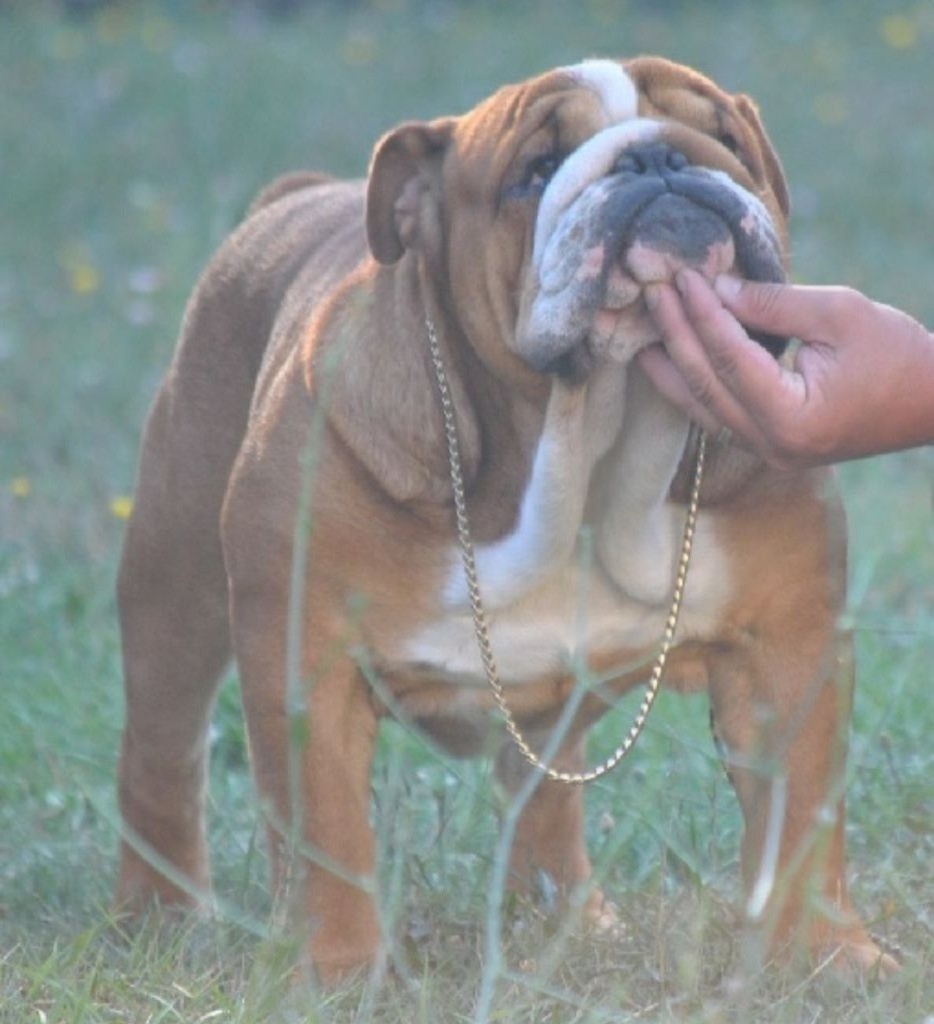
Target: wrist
(914, 399)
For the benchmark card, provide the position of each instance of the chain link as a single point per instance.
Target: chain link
(479, 615)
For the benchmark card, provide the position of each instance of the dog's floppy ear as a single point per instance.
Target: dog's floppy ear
(403, 195)
(748, 110)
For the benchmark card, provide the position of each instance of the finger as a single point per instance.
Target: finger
(656, 364)
(682, 327)
(803, 311)
(770, 395)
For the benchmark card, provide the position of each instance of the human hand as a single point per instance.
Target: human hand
(862, 380)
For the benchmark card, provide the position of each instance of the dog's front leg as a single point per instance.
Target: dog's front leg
(781, 714)
(311, 744)
(549, 839)
(340, 859)
(311, 729)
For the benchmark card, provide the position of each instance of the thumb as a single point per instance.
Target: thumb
(783, 309)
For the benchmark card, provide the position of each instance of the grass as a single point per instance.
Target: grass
(131, 143)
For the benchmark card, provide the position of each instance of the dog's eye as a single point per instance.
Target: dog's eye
(536, 175)
(541, 170)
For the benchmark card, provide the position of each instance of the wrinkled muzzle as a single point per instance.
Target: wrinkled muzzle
(599, 242)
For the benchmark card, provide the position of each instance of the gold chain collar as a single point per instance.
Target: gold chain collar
(479, 615)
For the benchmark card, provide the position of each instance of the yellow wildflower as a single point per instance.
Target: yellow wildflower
(121, 507)
(82, 275)
(900, 31)
(83, 278)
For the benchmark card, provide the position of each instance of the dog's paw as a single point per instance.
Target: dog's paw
(864, 957)
(601, 916)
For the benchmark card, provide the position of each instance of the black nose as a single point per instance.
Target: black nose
(651, 158)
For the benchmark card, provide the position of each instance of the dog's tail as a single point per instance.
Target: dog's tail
(284, 185)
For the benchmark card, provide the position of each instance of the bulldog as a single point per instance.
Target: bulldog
(294, 503)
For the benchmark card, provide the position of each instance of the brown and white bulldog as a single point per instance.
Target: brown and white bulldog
(294, 505)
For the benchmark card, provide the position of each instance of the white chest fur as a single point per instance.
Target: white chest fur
(609, 451)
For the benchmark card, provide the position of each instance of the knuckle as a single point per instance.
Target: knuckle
(844, 305)
(724, 366)
(701, 388)
(767, 298)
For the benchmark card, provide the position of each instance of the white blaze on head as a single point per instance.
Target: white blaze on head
(610, 82)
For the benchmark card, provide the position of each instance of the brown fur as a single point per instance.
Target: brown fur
(302, 375)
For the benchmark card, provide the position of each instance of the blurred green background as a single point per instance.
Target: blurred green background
(132, 137)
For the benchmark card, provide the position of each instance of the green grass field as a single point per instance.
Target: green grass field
(130, 143)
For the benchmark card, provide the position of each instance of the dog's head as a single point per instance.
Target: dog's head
(546, 210)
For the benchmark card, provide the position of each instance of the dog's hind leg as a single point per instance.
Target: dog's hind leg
(172, 595)
(173, 614)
